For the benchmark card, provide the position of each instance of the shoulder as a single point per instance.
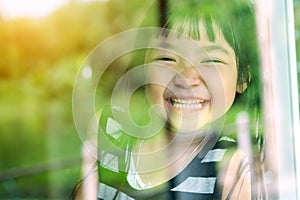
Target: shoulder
(237, 178)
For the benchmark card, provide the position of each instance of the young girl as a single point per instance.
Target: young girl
(197, 67)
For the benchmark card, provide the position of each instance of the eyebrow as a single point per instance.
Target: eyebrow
(215, 48)
(165, 45)
(170, 46)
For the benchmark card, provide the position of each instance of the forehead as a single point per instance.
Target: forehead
(182, 43)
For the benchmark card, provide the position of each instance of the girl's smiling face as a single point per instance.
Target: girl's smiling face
(197, 80)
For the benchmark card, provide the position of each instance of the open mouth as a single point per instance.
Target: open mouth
(186, 103)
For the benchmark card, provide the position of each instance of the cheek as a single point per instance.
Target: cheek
(222, 85)
(158, 78)
(230, 88)
(154, 93)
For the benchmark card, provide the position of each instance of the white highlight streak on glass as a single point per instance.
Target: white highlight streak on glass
(87, 72)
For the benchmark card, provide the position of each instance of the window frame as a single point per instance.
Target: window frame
(276, 33)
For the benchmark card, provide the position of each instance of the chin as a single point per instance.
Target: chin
(188, 123)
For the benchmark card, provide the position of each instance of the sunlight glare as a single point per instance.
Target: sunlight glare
(29, 8)
(32, 8)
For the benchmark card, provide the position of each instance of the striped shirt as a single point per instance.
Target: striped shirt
(198, 180)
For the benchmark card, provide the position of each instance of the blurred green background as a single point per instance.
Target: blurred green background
(40, 150)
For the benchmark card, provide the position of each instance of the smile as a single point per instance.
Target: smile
(186, 103)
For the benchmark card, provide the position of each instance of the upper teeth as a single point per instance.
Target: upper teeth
(184, 101)
(187, 103)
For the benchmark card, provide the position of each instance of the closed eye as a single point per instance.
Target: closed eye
(165, 58)
(214, 61)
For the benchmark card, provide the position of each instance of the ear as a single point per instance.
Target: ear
(240, 88)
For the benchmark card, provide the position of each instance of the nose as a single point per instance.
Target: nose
(190, 77)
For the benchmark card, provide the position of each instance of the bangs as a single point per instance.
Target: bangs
(189, 25)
